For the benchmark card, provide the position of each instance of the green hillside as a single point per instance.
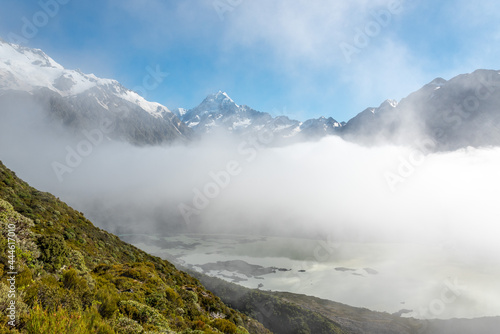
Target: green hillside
(72, 277)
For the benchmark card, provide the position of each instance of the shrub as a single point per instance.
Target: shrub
(77, 260)
(108, 298)
(77, 285)
(71, 280)
(173, 297)
(144, 314)
(225, 326)
(41, 321)
(48, 293)
(53, 251)
(124, 325)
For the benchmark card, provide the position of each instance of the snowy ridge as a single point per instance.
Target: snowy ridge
(80, 101)
(28, 69)
(219, 111)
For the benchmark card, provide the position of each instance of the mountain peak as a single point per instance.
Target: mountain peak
(437, 82)
(218, 100)
(221, 94)
(389, 103)
(220, 97)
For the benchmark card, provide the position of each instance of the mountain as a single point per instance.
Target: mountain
(82, 101)
(365, 123)
(442, 115)
(72, 277)
(320, 127)
(218, 112)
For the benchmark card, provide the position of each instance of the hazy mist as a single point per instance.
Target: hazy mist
(227, 185)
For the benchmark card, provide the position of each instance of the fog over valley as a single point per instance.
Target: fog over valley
(228, 184)
(344, 200)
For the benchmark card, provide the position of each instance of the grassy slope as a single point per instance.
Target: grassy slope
(76, 278)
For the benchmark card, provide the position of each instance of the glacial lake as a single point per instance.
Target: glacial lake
(425, 281)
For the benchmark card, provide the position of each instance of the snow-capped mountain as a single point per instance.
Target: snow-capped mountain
(320, 127)
(446, 115)
(442, 115)
(218, 112)
(450, 114)
(83, 100)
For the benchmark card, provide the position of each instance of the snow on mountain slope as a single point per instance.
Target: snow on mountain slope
(83, 101)
(452, 114)
(179, 112)
(460, 112)
(219, 112)
(214, 111)
(27, 69)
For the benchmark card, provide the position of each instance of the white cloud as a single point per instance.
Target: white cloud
(390, 70)
(299, 31)
(330, 186)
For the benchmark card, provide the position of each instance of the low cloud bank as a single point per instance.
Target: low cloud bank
(228, 185)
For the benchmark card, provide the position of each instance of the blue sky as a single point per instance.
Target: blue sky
(286, 57)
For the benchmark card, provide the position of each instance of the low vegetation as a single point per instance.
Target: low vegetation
(277, 314)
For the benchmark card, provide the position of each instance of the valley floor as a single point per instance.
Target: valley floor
(422, 281)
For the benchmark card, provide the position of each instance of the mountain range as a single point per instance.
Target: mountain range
(218, 112)
(444, 115)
